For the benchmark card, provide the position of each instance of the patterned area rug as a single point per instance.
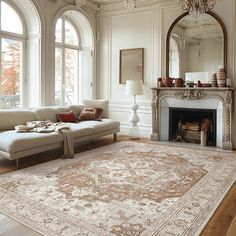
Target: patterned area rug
(124, 189)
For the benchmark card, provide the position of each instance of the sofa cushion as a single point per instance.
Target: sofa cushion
(90, 113)
(102, 103)
(67, 116)
(48, 113)
(102, 126)
(12, 142)
(10, 118)
(81, 129)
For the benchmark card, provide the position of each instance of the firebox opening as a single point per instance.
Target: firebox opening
(185, 125)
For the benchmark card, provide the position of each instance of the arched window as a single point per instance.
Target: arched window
(75, 66)
(174, 59)
(66, 62)
(12, 41)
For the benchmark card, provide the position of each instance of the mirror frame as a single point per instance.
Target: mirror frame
(182, 16)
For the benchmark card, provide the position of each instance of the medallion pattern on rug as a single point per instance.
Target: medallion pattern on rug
(123, 189)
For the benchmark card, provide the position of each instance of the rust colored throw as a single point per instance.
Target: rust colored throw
(125, 188)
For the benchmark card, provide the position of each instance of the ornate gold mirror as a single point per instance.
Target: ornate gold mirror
(196, 47)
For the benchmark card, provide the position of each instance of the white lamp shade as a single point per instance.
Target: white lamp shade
(134, 87)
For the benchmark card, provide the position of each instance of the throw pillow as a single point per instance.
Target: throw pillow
(90, 113)
(68, 116)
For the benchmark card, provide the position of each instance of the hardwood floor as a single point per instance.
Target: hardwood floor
(217, 226)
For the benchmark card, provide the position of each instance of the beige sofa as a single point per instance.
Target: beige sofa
(15, 145)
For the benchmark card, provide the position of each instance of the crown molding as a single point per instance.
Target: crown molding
(135, 6)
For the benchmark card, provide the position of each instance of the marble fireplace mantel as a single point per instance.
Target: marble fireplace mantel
(191, 95)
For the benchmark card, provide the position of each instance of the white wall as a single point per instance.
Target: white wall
(115, 34)
(146, 26)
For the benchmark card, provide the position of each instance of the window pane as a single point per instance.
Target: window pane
(58, 33)
(10, 20)
(11, 71)
(70, 34)
(58, 77)
(70, 75)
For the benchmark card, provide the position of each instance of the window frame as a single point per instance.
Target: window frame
(63, 46)
(21, 38)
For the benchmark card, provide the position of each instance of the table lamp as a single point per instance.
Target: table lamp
(134, 88)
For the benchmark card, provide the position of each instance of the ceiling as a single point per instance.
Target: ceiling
(191, 22)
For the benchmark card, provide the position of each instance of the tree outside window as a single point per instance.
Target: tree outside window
(11, 57)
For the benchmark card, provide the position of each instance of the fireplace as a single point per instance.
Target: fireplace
(219, 99)
(185, 125)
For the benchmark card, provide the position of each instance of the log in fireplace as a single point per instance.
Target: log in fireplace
(186, 125)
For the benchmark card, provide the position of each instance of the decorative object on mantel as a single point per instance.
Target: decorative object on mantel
(189, 84)
(179, 82)
(221, 77)
(228, 82)
(199, 84)
(167, 81)
(206, 84)
(214, 80)
(134, 87)
(197, 7)
(160, 83)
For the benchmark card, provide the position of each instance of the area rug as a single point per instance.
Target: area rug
(124, 189)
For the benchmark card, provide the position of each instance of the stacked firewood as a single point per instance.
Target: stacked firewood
(192, 132)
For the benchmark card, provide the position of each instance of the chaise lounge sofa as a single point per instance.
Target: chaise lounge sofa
(15, 145)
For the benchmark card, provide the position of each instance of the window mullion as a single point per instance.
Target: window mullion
(72, 46)
(23, 74)
(0, 69)
(12, 35)
(77, 78)
(63, 62)
(0, 56)
(0, 16)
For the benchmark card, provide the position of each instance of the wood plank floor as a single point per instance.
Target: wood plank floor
(217, 226)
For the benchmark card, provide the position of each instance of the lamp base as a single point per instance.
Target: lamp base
(134, 133)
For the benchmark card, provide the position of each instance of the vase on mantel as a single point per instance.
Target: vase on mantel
(221, 77)
(214, 80)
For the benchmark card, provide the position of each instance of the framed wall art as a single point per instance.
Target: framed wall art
(131, 64)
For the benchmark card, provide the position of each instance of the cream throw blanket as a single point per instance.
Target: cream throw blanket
(47, 127)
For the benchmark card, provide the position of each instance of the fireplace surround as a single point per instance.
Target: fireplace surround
(219, 99)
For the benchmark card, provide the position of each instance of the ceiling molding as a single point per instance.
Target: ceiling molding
(139, 5)
(129, 4)
(78, 4)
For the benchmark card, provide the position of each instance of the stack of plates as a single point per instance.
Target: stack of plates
(214, 80)
(221, 78)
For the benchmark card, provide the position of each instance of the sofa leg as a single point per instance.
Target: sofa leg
(115, 137)
(17, 163)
